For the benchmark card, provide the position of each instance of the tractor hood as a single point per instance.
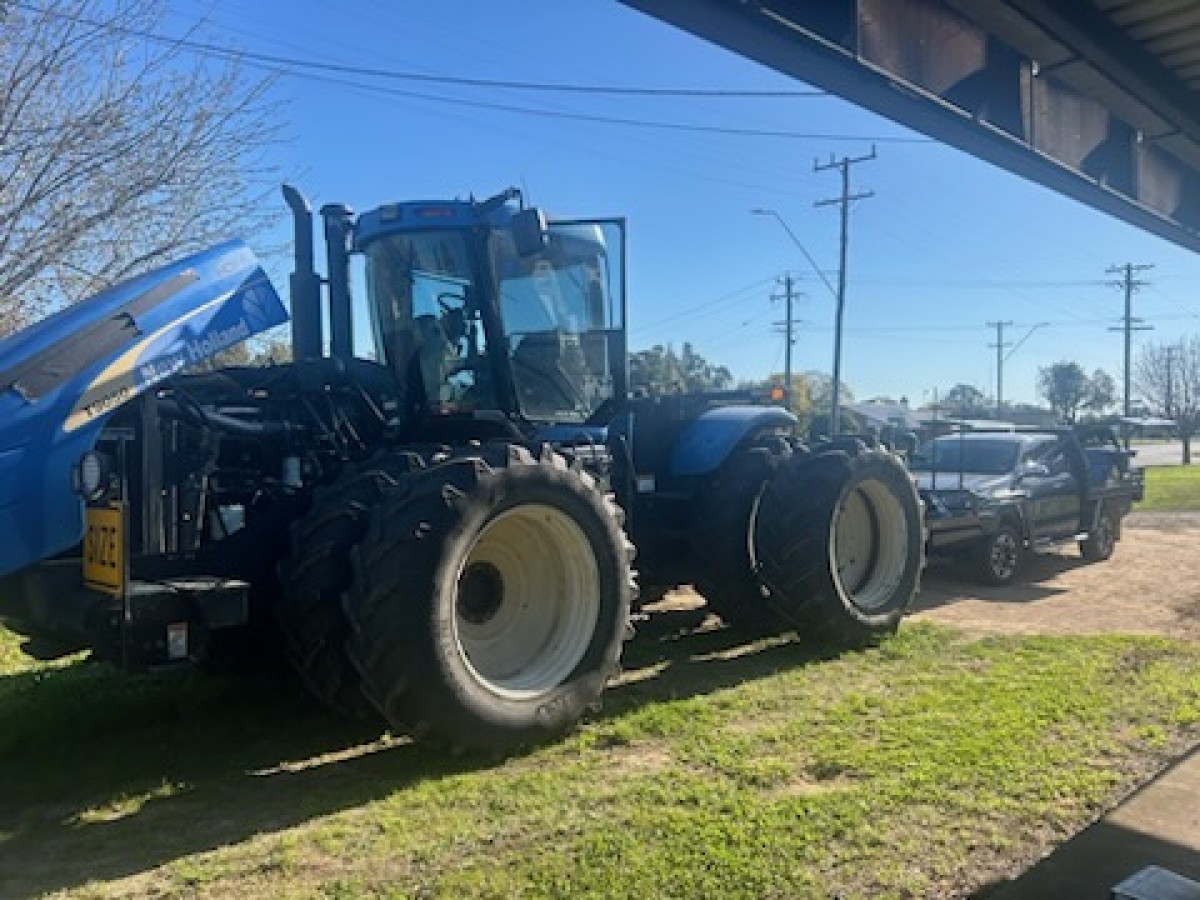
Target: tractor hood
(62, 378)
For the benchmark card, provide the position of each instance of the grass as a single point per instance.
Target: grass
(923, 767)
(1172, 488)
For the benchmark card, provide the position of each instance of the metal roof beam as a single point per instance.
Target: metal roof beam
(925, 65)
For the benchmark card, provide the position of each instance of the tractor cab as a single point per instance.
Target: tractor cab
(486, 307)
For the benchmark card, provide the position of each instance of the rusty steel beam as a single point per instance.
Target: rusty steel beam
(1042, 88)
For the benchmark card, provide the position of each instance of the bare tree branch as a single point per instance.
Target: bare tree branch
(118, 153)
(1168, 377)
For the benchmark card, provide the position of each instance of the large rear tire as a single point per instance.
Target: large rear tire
(491, 600)
(838, 542)
(721, 540)
(317, 572)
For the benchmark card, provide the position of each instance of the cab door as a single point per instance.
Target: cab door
(1053, 493)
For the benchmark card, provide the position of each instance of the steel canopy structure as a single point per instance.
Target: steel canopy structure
(1095, 99)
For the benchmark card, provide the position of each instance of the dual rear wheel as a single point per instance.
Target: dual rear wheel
(830, 543)
(482, 600)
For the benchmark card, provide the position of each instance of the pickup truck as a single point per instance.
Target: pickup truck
(992, 497)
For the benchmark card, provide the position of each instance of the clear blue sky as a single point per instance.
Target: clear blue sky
(946, 244)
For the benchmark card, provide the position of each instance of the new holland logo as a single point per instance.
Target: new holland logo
(217, 340)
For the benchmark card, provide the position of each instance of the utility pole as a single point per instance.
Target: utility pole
(1000, 346)
(843, 201)
(788, 325)
(1129, 323)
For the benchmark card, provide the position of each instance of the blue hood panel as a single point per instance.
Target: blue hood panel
(708, 440)
(62, 378)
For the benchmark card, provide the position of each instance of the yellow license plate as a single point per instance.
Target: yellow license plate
(104, 549)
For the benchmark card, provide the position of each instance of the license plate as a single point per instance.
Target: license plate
(104, 549)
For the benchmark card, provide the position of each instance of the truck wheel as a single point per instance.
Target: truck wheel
(721, 541)
(999, 557)
(838, 542)
(491, 599)
(1101, 540)
(317, 571)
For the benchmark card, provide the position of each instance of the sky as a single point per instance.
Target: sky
(946, 244)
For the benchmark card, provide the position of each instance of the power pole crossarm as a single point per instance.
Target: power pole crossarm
(843, 201)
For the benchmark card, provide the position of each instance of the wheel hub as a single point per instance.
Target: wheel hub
(527, 600)
(480, 592)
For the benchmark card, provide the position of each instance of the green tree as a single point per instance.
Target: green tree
(965, 400)
(1102, 391)
(1068, 389)
(659, 370)
(1064, 385)
(820, 388)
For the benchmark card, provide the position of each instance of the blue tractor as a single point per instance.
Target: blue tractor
(443, 535)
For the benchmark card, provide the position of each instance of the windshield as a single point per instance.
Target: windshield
(562, 310)
(426, 318)
(966, 454)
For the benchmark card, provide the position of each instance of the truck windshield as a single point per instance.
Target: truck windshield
(562, 311)
(426, 318)
(967, 454)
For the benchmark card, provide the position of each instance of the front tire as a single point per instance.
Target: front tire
(1000, 555)
(317, 572)
(839, 543)
(491, 600)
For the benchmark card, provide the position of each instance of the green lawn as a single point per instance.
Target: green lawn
(1172, 488)
(924, 767)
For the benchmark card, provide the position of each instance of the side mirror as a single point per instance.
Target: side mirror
(529, 231)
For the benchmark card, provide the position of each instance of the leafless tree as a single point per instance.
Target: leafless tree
(118, 151)
(1168, 377)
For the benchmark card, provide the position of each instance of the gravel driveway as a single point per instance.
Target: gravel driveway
(1151, 585)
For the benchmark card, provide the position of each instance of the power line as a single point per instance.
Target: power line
(289, 66)
(205, 48)
(691, 312)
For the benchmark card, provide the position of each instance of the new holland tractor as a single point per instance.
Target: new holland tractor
(441, 535)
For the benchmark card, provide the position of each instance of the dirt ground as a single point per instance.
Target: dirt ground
(1151, 585)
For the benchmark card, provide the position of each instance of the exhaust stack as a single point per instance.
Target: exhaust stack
(337, 218)
(304, 284)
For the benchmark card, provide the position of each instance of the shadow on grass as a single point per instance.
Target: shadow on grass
(105, 775)
(1107, 852)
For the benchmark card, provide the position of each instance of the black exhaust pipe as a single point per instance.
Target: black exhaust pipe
(305, 284)
(337, 247)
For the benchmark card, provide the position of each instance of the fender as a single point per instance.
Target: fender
(62, 378)
(709, 440)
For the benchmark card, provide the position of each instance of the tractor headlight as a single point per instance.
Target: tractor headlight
(91, 475)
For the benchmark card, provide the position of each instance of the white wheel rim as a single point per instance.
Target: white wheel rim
(869, 549)
(527, 600)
